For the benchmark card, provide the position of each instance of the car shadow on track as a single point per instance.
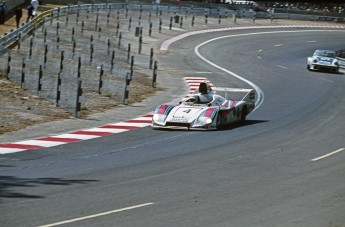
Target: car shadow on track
(241, 124)
(14, 187)
(327, 72)
(223, 128)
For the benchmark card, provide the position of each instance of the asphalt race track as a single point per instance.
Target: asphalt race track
(284, 167)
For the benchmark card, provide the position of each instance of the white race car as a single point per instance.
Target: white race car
(206, 108)
(323, 59)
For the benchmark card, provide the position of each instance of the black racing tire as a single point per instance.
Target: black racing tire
(308, 67)
(218, 123)
(243, 114)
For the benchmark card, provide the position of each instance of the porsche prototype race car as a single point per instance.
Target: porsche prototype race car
(206, 109)
(323, 60)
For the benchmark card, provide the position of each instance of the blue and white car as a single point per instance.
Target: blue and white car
(323, 60)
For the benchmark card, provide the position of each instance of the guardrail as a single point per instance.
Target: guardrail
(291, 16)
(8, 39)
(13, 36)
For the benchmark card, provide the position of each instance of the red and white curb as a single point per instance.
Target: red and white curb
(77, 136)
(165, 45)
(194, 82)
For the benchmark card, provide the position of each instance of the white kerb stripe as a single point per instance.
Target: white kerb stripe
(10, 150)
(111, 130)
(195, 78)
(197, 81)
(143, 118)
(133, 124)
(41, 143)
(76, 136)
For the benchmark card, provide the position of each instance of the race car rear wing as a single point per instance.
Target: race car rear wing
(248, 95)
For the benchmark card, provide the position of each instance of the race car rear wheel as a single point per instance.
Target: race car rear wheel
(243, 114)
(218, 123)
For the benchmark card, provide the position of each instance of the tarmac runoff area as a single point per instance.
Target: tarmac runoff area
(137, 115)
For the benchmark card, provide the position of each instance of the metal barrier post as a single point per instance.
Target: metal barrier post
(45, 35)
(128, 52)
(100, 82)
(78, 103)
(45, 55)
(117, 28)
(112, 61)
(72, 37)
(127, 89)
(108, 46)
(119, 43)
(91, 52)
(151, 58)
(31, 44)
(131, 68)
(129, 23)
(150, 29)
(140, 44)
(39, 87)
(154, 78)
(57, 28)
(79, 67)
(19, 40)
(8, 65)
(58, 92)
(22, 80)
(73, 48)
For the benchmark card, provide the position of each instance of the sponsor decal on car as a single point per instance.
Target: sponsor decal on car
(179, 120)
(164, 109)
(211, 112)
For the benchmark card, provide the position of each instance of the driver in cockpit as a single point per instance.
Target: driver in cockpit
(194, 99)
(204, 96)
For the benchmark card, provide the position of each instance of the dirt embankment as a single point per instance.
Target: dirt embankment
(20, 108)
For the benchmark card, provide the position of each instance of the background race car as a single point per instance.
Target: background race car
(323, 60)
